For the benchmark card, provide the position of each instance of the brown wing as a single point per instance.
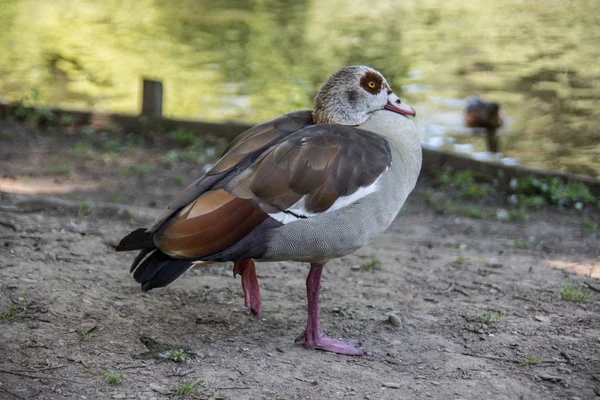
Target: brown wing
(320, 163)
(240, 153)
(210, 224)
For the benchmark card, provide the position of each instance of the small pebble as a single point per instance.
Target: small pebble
(392, 385)
(160, 389)
(395, 320)
(541, 318)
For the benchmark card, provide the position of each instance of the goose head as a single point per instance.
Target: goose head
(351, 94)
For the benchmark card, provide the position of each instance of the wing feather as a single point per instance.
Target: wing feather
(319, 164)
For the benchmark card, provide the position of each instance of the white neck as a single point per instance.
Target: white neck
(398, 129)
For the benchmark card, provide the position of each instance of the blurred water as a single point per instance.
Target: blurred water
(254, 60)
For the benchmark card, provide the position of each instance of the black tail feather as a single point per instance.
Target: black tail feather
(138, 239)
(158, 269)
(136, 261)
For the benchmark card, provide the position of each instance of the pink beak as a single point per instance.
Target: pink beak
(396, 105)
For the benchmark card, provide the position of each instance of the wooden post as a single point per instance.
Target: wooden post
(152, 98)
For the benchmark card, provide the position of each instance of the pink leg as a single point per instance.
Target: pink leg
(247, 270)
(312, 335)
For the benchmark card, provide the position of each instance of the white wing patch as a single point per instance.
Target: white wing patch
(299, 211)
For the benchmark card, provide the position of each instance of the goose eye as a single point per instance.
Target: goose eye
(371, 84)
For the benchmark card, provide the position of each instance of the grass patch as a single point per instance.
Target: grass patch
(85, 208)
(518, 244)
(474, 212)
(371, 263)
(61, 169)
(14, 310)
(464, 182)
(179, 180)
(189, 388)
(6, 134)
(128, 172)
(461, 259)
(531, 360)
(518, 215)
(574, 294)
(113, 378)
(183, 137)
(589, 226)
(36, 341)
(144, 168)
(118, 198)
(491, 318)
(177, 355)
(532, 201)
(554, 191)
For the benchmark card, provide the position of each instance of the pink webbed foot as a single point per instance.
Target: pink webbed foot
(320, 342)
(247, 270)
(312, 335)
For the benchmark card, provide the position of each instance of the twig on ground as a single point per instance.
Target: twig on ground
(567, 357)
(592, 287)
(39, 369)
(32, 376)
(234, 388)
(311, 381)
(5, 390)
(9, 225)
(512, 361)
(453, 288)
(550, 378)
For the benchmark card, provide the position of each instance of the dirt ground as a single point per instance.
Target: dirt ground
(479, 316)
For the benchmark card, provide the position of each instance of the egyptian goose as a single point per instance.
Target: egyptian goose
(308, 186)
(480, 114)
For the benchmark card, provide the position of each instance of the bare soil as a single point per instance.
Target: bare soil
(479, 318)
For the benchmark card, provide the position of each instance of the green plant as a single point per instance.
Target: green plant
(179, 180)
(113, 378)
(461, 259)
(85, 208)
(531, 360)
(35, 340)
(428, 197)
(144, 168)
(14, 310)
(183, 137)
(177, 355)
(464, 181)
(82, 149)
(554, 190)
(6, 134)
(532, 201)
(590, 226)
(474, 212)
(517, 215)
(518, 244)
(128, 172)
(62, 169)
(118, 198)
(171, 158)
(189, 388)
(577, 295)
(83, 335)
(371, 263)
(490, 318)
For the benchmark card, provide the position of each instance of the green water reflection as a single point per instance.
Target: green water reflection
(254, 60)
